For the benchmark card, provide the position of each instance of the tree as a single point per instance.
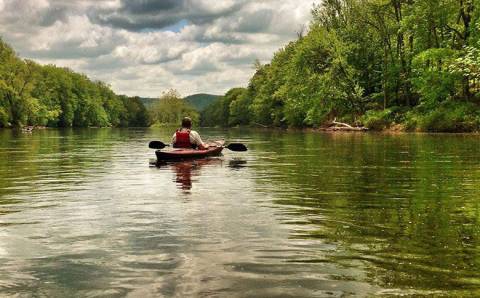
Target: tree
(31, 94)
(171, 108)
(398, 60)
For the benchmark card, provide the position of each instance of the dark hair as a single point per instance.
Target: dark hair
(186, 122)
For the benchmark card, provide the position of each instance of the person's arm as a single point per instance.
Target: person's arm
(197, 140)
(174, 138)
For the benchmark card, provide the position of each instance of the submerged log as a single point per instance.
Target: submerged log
(31, 128)
(261, 125)
(340, 126)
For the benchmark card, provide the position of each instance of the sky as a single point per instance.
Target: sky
(145, 47)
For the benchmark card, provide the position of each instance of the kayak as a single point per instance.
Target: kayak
(183, 153)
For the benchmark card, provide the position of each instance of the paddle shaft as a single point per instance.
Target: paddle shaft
(232, 146)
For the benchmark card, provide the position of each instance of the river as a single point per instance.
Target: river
(88, 213)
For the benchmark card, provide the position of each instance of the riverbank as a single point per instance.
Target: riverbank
(393, 129)
(331, 127)
(449, 117)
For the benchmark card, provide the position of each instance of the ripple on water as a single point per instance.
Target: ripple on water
(83, 213)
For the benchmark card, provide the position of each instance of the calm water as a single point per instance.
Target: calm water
(85, 213)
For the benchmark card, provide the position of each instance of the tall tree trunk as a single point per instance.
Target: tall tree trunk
(402, 87)
(466, 9)
(385, 76)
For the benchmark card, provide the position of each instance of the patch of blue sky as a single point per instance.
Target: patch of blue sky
(177, 27)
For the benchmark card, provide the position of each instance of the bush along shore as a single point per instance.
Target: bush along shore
(382, 65)
(37, 96)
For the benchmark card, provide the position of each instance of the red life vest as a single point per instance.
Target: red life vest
(182, 139)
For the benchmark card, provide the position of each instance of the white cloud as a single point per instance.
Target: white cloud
(122, 42)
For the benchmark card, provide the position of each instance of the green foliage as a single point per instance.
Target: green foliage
(31, 94)
(231, 109)
(201, 101)
(171, 108)
(451, 117)
(432, 78)
(377, 119)
(3, 118)
(240, 108)
(376, 62)
(136, 114)
(467, 66)
(213, 115)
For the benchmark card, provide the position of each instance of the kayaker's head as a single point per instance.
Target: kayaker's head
(187, 122)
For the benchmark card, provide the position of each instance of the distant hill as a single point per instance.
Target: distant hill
(201, 101)
(198, 101)
(148, 102)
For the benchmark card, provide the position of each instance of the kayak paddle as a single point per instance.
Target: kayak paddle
(232, 146)
(236, 147)
(157, 145)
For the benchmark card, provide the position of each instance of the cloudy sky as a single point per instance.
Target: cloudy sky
(144, 47)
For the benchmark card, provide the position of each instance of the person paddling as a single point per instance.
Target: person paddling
(185, 137)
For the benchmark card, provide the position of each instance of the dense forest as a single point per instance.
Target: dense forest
(170, 109)
(399, 64)
(201, 101)
(31, 94)
(198, 101)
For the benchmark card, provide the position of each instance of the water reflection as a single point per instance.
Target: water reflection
(186, 171)
(404, 207)
(237, 163)
(299, 214)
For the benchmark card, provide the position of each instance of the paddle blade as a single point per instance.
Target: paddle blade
(156, 145)
(237, 147)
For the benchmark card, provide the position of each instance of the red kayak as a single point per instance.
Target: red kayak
(181, 153)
